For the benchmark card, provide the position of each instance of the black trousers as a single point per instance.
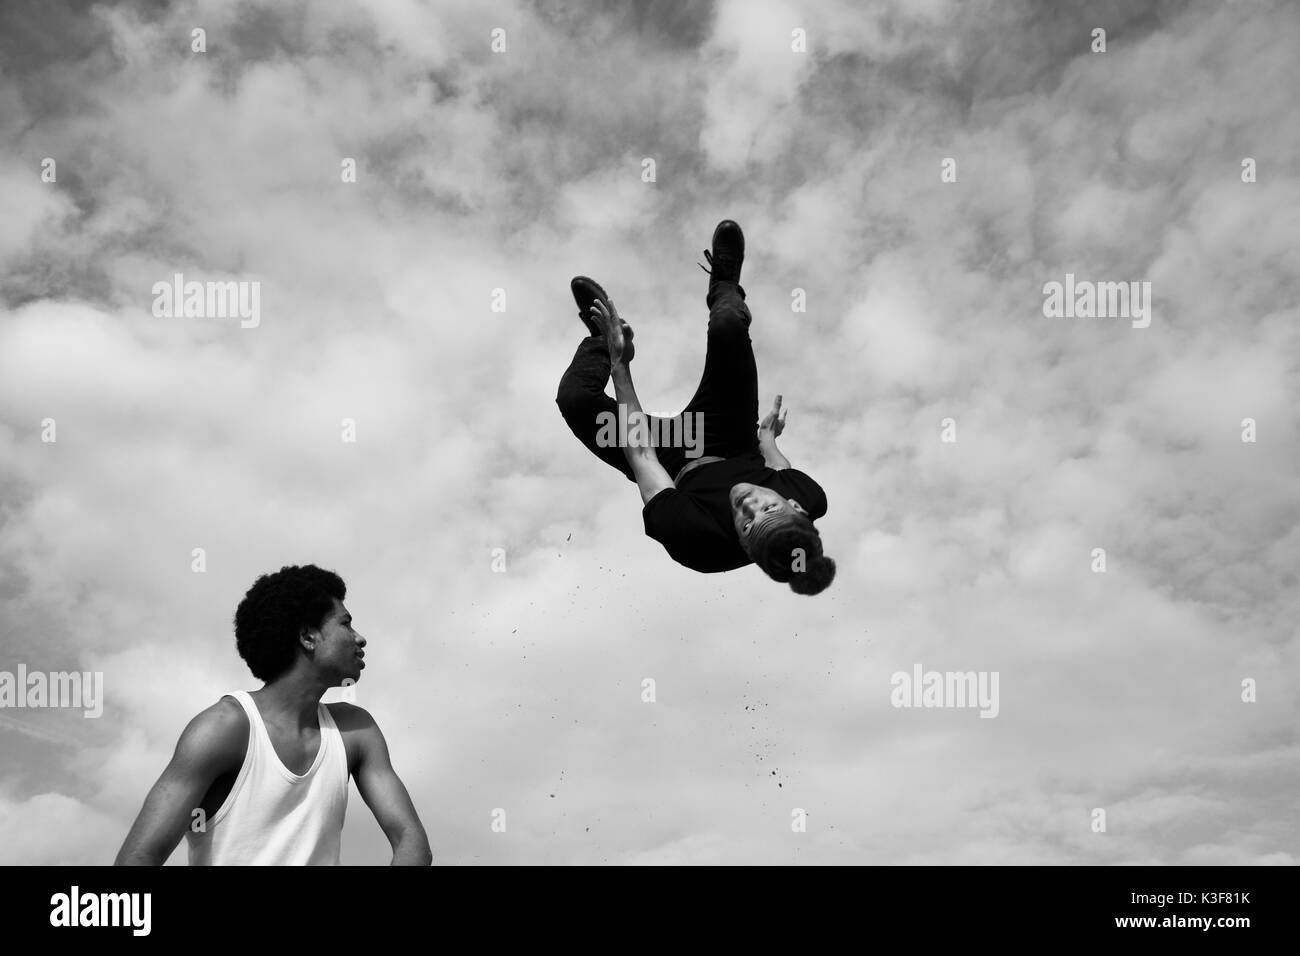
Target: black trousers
(727, 397)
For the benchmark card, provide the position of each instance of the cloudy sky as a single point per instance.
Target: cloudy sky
(480, 170)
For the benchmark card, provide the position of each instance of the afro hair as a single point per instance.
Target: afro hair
(276, 609)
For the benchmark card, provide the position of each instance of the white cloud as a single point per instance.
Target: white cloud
(518, 171)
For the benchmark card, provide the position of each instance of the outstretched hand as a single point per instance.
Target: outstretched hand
(618, 334)
(773, 424)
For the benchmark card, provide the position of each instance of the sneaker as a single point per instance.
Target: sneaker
(585, 293)
(728, 253)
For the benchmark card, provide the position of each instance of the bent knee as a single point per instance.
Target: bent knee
(569, 400)
(579, 406)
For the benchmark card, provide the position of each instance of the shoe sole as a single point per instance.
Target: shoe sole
(578, 285)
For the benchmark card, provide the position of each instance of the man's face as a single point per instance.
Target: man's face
(755, 508)
(339, 649)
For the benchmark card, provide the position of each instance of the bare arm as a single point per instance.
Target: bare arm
(214, 743)
(771, 426)
(772, 456)
(651, 478)
(383, 791)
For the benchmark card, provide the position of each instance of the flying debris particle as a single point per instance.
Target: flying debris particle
(570, 537)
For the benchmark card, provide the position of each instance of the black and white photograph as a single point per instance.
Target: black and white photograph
(745, 433)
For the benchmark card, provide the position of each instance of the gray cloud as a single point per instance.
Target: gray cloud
(518, 170)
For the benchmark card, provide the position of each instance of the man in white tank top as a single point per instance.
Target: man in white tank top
(261, 778)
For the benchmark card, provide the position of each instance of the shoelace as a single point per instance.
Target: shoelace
(709, 258)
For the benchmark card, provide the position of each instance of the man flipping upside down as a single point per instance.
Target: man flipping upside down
(739, 502)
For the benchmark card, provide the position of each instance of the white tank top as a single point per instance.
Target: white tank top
(273, 817)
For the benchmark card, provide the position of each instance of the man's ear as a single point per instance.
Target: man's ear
(307, 639)
(797, 507)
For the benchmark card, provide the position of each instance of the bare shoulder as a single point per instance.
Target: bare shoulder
(361, 737)
(216, 734)
(350, 717)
